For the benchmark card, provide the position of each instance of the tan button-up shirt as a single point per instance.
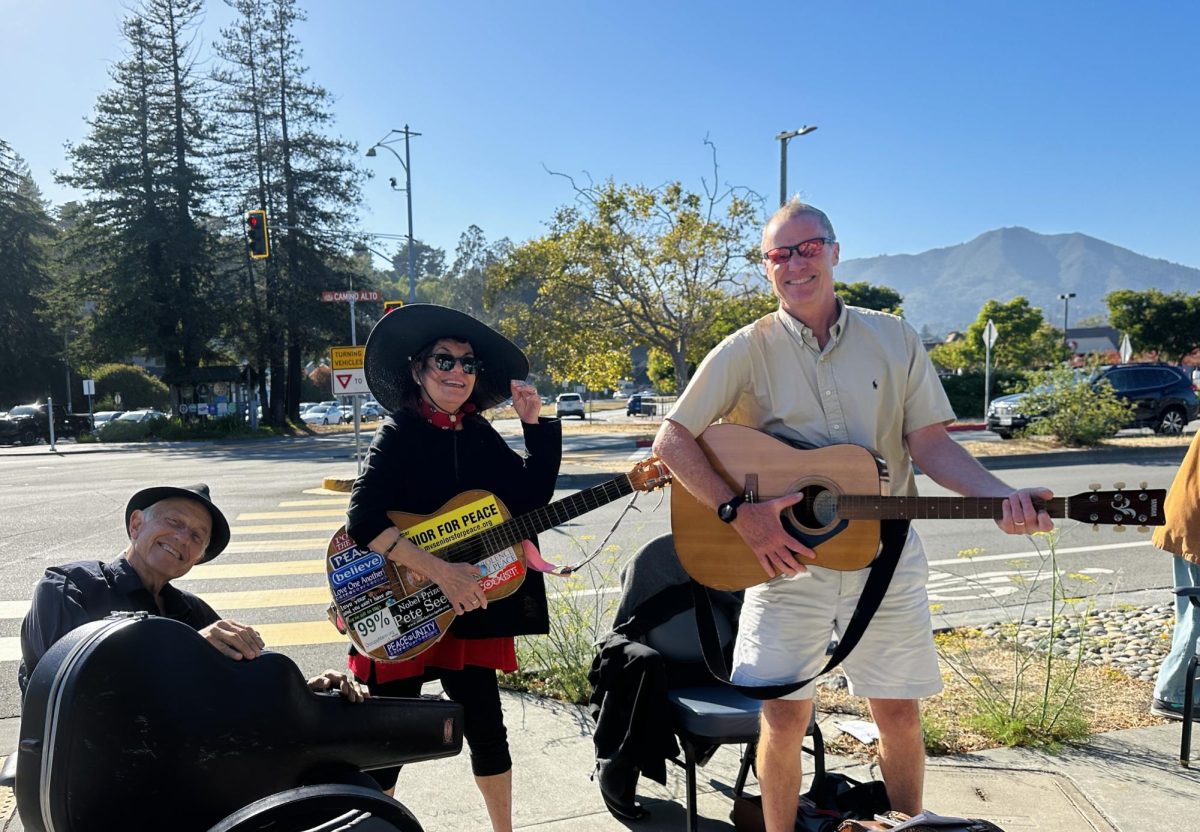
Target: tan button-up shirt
(872, 385)
(1181, 534)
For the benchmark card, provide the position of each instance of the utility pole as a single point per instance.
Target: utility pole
(406, 161)
(784, 138)
(1066, 299)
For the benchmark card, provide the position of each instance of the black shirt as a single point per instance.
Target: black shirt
(72, 595)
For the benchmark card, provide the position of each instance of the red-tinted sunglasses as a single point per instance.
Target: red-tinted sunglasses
(807, 249)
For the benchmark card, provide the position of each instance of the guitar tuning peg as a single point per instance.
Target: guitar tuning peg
(1143, 529)
(1119, 529)
(1142, 485)
(1095, 527)
(1120, 486)
(1095, 486)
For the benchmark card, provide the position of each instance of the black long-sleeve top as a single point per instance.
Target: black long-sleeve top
(416, 468)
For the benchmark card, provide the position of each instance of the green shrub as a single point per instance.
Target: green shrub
(966, 391)
(118, 431)
(138, 388)
(1072, 410)
(226, 426)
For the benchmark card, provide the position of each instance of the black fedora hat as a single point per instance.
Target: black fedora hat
(147, 497)
(402, 332)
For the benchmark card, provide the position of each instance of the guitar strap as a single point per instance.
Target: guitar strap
(893, 534)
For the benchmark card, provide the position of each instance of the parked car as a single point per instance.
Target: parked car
(633, 405)
(140, 416)
(323, 414)
(569, 404)
(28, 423)
(1163, 396)
(372, 411)
(102, 417)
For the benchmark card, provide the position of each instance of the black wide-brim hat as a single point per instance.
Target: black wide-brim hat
(147, 497)
(401, 333)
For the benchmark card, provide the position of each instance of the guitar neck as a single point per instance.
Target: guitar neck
(853, 507)
(513, 531)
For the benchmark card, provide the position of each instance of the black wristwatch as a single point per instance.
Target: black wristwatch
(728, 511)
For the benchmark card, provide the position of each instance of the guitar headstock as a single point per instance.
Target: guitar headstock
(650, 474)
(1120, 508)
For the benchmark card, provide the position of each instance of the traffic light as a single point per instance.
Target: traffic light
(256, 235)
(389, 305)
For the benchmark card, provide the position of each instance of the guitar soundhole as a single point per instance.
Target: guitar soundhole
(817, 510)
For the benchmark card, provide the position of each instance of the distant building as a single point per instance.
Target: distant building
(1092, 340)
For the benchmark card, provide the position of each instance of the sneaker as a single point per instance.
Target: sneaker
(1172, 710)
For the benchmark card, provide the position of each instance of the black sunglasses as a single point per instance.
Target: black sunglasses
(445, 362)
(807, 249)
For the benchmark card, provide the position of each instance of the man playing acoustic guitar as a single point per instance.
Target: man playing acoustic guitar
(820, 372)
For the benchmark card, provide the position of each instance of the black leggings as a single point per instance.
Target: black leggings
(474, 688)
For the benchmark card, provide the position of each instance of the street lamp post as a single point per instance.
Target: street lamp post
(405, 162)
(1066, 299)
(784, 138)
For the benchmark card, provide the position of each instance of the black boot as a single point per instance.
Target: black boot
(618, 785)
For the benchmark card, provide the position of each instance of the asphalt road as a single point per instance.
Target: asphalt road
(69, 506)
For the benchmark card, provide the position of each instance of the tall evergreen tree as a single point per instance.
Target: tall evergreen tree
(303, 177)
(26, 341)
(149, 274)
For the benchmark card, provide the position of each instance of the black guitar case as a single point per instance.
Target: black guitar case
(137, 723)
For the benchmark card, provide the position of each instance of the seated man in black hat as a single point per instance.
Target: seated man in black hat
(170, 531)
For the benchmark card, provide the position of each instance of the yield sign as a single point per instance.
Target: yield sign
(350, 382)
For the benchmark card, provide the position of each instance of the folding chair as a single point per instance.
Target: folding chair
(709, 715)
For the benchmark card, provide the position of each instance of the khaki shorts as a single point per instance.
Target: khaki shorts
(786, 625)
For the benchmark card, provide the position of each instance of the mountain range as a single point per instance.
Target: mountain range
(944, 288)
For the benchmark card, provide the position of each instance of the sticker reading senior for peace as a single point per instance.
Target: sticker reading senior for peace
(457, 524)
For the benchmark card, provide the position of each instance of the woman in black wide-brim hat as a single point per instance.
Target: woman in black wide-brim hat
(436, 369)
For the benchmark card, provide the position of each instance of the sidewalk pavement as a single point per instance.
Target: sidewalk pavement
(1128, 781)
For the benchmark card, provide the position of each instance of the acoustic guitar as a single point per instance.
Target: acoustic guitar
(391, 615)
(845, 491)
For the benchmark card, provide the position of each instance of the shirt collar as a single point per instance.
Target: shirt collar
(125, 579)
(804, 333)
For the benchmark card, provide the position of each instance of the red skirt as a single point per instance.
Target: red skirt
(450, 653)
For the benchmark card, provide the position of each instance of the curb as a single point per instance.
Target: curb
(1088, 457)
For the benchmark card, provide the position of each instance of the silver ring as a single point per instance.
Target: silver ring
(1018, 522)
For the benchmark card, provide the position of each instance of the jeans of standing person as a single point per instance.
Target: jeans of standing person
(1173, 673)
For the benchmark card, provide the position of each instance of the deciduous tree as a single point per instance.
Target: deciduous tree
(631, 264)
(1024, 339)
(1168, 324)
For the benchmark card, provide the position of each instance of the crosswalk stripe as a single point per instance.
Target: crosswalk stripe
(329, 501)
(211, 571)
(227, 602)
(224, 602)
(275, 635)
(296, 544)
(284, 515)
(300, 633)
(282, 528)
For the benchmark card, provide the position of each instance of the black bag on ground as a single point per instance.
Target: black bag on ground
(832, 799)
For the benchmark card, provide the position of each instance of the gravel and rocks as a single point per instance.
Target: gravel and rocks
(1133, 640)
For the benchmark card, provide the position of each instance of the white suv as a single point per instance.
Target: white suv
(569, 404)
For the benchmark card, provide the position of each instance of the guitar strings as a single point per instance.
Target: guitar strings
(514, 530)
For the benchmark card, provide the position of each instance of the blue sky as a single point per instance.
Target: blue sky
(937, 120)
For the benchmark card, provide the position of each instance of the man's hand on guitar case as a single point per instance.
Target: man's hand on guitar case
(237, 641)
(776, 550)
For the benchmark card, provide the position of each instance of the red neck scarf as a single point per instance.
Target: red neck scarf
(439, 418)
